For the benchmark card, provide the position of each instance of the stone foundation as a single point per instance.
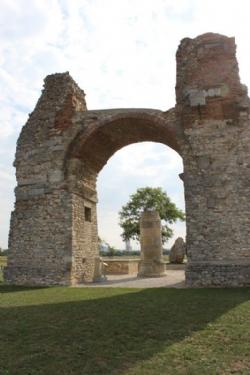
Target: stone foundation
(121, 266)
(36, 276)
(151, 269)
(218, 275)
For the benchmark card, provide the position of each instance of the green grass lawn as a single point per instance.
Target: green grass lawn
(111, 331)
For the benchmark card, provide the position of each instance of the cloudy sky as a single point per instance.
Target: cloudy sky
(122, 53)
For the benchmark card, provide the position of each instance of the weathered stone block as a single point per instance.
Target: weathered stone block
(56, 176)
(197, 97)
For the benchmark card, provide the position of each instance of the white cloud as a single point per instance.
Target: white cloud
(133, 161)
(122, 53)
(29, 20)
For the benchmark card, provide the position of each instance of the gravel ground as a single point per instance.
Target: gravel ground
(173, 279)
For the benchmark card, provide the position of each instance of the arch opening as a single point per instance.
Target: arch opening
(93, 146)
(87, 155)
(135, 166)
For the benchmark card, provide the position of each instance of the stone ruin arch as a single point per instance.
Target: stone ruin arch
(63, 146)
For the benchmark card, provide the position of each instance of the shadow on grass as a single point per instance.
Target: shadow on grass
(4, 288)
(105, 331)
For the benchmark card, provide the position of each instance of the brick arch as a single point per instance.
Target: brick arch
(112, 131)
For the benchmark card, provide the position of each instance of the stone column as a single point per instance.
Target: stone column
(151, 264)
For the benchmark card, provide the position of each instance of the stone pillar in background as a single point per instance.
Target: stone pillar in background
(152, 264)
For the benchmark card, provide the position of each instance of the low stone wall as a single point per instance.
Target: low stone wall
(121, 266)
(130, 266)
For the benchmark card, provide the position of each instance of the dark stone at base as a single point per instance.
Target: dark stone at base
(151, 269)
(217, 275)
(35, 276)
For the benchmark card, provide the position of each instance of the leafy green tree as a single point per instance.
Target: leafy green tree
(111, 251)
(147, 199)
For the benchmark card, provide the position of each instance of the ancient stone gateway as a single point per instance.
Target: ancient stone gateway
(63, 146)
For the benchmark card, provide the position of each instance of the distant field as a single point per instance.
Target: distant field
(3, 261)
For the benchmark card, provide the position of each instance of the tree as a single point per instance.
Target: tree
(106, 249)
(147, 199)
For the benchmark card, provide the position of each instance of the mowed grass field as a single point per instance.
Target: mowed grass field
(110, 331)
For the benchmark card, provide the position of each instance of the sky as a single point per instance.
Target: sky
(122, 53)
